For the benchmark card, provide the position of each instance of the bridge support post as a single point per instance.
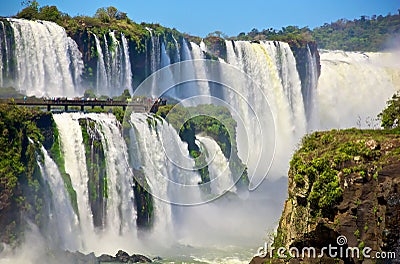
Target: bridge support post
(48, 108)
(124, 107)
(82, 108)
(66, 108)
(102, 106)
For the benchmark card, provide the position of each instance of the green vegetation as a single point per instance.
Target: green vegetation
(213, 121)
(57, 155)
(323, 156)
(364, 34)
(16, 126)
(390, 116)
(19, 170)
(299, 37)
(9, 92)
(105, 19)
(96, 168)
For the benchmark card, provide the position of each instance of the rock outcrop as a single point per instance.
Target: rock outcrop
(343, 183)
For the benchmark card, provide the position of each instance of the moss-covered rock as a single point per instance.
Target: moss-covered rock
(344, 183)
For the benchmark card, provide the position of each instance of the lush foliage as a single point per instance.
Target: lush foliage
(213, 121)
(364, 34)
(16, 126)
(390, 116)
(324, 157)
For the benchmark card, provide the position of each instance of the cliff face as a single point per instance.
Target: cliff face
(344, 183)
(22, 189)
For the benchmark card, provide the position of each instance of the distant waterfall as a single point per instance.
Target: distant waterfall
(155, 58)
(114, 71)
(354, 87)
(310, 93)
(272, 66)
(2, 33)
(47, 62)
(102, 77)
(177, 52)
(201, 73)
(62, 216)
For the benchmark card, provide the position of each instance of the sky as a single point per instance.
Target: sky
(229, 16)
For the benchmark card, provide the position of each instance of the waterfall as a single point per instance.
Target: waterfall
(201, 72)
(114, 71)
(155, 52)
(310, 91)
(2, 33)
(62, 216)
(272, 66)
(220, 175)
(102, 78)
(186, 55)
(165, 161)
(177, 52)
(121, 215)
(73, 151)
(127, 81)
(47, 61)
(354, 87)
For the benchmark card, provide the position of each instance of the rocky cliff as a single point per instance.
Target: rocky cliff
(343, 183)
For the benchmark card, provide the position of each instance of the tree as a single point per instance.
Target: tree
(126, 94)
(390, 116)
(89, 94)
(49, 13)
(112, 12)
(30, 11)
(102, 14)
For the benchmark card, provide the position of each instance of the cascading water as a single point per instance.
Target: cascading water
(62, 215)
(155, 52)
(1, 52)
(310, 91)
(353, 88)
(114, 71)
(177, 52)
(47, 61)
(272, 66)
(201, 72)
(221, 176)
(75, 165)
(102, 78)
(127, 70)
(120, 212)
(161, 149)
(121, 215)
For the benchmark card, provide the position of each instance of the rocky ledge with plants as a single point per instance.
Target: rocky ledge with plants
(344, 183)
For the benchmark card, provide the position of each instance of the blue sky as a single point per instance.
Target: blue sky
(230, 17)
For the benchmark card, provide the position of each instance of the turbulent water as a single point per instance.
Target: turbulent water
(354, 87)
(64, 221)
